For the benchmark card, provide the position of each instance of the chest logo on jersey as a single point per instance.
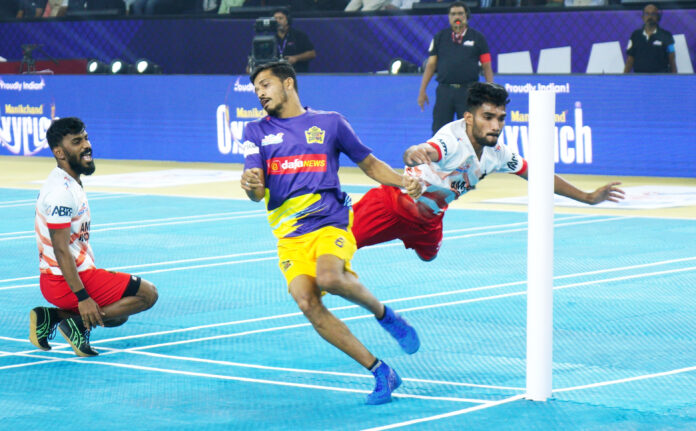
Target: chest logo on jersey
(314, 135)
(62, 211)
(272, 139)
(468, 43)
(297, 164)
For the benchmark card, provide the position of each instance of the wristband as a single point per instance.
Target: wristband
(81, 295)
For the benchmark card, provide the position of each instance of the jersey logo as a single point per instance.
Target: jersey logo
(468, 43)
(82, 209)
(285, 265)
(340, 242)
(314, 135)
(272, 139)
(297, 164)
(62, 211)
(443, 145)
(512, 164)
(657, 43)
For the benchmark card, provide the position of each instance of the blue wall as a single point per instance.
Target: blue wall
(630, 125)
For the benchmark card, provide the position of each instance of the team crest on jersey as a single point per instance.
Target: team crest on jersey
(285, 265)
(272, 139)
(82, 209)
(314, 135)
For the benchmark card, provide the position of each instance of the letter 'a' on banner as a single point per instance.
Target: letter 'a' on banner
(542, 107)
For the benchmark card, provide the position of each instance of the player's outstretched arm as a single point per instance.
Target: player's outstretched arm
(253, 184)
(420, 154)
(381, 172)
(609, 192)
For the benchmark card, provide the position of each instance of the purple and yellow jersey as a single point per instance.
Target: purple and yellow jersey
(299, 158)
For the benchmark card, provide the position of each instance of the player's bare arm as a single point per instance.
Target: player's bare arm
(609, 192)
(420, 154)
(253, 184)
(89, 310)
(381, 172)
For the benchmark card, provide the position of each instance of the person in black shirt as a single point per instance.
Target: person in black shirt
(293, 44)
(651, 48)
(455, 53)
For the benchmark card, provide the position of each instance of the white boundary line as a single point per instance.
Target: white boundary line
(447, 415)
(629, 379)
(390, 244)
(114, 196)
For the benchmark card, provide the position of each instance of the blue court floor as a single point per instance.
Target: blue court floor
(226, 348)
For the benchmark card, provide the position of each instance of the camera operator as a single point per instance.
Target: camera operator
(293, 44)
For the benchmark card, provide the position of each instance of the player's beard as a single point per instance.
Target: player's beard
(481, 139)
(275, 111)
(75, 162)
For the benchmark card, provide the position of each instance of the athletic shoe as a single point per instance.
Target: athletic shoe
(425, 258)
(399, 328)
(77, 335)
(386, 382)
(42, 326)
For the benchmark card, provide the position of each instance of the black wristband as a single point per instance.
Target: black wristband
(81, 295)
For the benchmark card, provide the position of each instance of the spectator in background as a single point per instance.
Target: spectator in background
(54, 8)
(455, 54)
(400, 4)
(227, 5)
(161, 7)
(31, 8)
(293, 45)
(651, 48)
(311, 5)
(366, 5)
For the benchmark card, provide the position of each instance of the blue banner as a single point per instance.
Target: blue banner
(605, 125)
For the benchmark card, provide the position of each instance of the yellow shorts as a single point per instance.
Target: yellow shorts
(298, 255)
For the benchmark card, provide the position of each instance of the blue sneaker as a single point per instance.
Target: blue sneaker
(399, 328)
(386, 382)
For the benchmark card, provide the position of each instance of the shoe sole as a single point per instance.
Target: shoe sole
(77, 351)
(32, 332)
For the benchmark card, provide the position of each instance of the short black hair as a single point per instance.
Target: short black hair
(61, 128)
(467, 11)
(486, 92)
(281, 68)
(282, 10)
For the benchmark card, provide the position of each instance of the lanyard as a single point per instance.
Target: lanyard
(282, 48)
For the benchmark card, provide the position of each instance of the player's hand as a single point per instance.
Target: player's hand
(416, 155)
(414, 186)
(91, 313)
(608, 192)
(423, 99)
(292, 59)
(252, 180)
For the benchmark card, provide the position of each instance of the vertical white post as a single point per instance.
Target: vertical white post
(542, 107)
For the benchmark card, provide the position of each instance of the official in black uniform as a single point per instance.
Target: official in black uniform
(455, 53)
(651, 48)
(293, 45)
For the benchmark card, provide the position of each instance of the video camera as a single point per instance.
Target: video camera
(264, 48)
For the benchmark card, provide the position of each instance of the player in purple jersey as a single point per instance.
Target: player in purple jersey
(291, 161)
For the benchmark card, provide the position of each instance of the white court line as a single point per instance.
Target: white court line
(403, 310)
(391, 244)
(299, 370)
(139, 222)
(141, 226)
(629, 379)
(91, 199)
(448, 415)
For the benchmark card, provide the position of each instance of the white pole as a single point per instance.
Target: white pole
(542, 107)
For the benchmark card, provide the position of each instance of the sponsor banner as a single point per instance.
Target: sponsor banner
(297, 164)
(605, 125)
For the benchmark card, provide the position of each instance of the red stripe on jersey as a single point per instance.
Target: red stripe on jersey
(57, 226)
(524, 168)
(485, 58)
(439, 151)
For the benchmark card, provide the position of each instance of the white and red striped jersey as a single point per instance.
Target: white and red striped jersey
(458, 170)
(63, 203)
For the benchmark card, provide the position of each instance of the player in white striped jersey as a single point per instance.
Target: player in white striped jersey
(450, 164)
(85, 295)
